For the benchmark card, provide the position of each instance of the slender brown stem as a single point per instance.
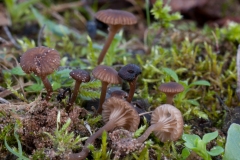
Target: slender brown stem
(170, 98)
(83, 154)
(48, 87)
(132, 90)
(74, 96)
(113, 29)
(102, 96)
(149, 130)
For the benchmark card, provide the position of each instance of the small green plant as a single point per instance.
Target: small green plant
(22, 9)
(161, 12)
(198, 145)
(63, 140)
(16, 151)
(232, 147)
(102, 153)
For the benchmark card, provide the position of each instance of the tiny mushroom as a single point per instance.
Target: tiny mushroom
(166, 123)
(106, 75)
(115, 19)
(171, 89)
(119, 94)
(79, 76)
(42, 61)
(130, 74)
(116, 113)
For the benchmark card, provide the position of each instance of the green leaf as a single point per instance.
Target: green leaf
(63, 73)
(171, 73)
(232, 147)
(217, 150)
(18, 71)
(56, 85)
(200, 83)
(34, 88)
(185, 153)
(193, 102)
(139, 131)
(190, 138)
(210, 136)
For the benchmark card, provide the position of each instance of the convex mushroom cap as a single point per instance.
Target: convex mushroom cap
(106, 74)
(116, 17)
(122, 112)
(129, 72)
(41, 61)
(171, 88)
(80, 75)
(173, 122)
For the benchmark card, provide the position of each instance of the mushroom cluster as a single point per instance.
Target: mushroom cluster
(117, 111)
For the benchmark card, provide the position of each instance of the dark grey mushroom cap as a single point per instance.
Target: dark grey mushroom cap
(129, 72)
(80, 75)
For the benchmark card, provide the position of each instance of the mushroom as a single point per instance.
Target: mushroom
(166, 123)
(80, 76)
(119, 94)
(41, 61)
(130, 74)
(115, 20)
(116, 113)
(170, 89)
(106, 75)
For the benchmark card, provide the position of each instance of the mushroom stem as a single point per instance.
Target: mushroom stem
(102, 96)
(83, 154)
(48, 87)
(132, 90)
(149, 130)
(74, 96)
(113, 29)
(170, 98)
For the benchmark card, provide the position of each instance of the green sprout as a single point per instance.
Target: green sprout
(198, 145)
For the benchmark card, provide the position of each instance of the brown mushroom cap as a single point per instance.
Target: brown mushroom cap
(42, 61)
(106, 74)
(122, 112)
(80, 75)
(171, 87)
(173, 122)
(116, 17)
(119, 94)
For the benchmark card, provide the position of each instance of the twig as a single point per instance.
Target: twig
(3, 40)
(40, 35)
(141, 114)
(88, 127)
(17, 87)
(64, 6)
(238, 73)
(2, 100)
(5, 28)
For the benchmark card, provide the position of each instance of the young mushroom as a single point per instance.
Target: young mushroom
(166, 123)
(106, 75)
(116, 113)
(79, 76)
(119, 94)
(115, 20)
(130, 74)
(171, 89)
(41, 61)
